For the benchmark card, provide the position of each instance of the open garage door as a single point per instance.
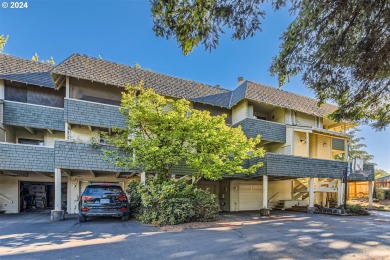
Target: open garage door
(249, 197)
(39, 196)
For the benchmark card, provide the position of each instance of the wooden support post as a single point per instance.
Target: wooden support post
(2, 89)
(57, 189)
(67, 88)
(311, 196)
(143, 177)
(307, 144)
(370, 194)
(265, 191)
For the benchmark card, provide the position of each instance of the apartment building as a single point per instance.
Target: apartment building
(48, 114)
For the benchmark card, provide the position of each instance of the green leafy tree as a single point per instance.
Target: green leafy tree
(201, 22)
(3, 42)
(341, 48)
(379, 173)
(356, 148)
(162, 133)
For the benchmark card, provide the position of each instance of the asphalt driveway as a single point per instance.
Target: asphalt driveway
(285, 235)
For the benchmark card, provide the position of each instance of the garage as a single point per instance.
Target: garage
(249, 196)
(39, 195)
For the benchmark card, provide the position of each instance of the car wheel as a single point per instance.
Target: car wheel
(82, 218)
(125, 217)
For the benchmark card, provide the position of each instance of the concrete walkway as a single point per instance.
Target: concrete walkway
(286, 235)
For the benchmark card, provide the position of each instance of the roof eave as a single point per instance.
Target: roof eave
(28, 83)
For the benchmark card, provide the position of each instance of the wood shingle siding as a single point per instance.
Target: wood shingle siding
(20, 157)
(31, 115)
(82, 156)
(269, 131)
(93, 114)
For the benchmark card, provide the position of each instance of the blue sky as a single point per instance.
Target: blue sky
(121, 31)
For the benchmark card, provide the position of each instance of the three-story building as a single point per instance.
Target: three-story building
(49, 114)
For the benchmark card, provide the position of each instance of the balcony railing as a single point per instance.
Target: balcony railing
(83, 156)
(93, 114)
(269, 131)
(298, 167)
(31, 115)
(21, 157)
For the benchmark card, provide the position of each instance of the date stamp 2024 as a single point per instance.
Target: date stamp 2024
(14, 5)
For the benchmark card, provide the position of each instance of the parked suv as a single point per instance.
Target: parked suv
(103, 200)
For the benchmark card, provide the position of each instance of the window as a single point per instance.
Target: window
(31, 141)
(33, 95)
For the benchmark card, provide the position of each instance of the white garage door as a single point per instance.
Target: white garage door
(249, 197)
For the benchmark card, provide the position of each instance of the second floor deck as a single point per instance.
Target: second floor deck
(269, 131)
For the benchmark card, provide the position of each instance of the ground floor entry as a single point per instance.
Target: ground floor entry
(39, 195)
(249, 196)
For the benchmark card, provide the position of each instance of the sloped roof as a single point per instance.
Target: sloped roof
(85, 67)
(221, 99)
(238, 94)
(98, 70)
(277, 97)
(25, 71)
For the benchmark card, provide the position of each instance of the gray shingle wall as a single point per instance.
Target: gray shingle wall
(24, 114)
(295, 166)
(260, 171)
(364, 177)
(269, 131)
(93, 114)
(181, 169)
(71, 155)
(17, 157)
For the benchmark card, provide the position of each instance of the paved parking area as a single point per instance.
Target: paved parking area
(285, 235)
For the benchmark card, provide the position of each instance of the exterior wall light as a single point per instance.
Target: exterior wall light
(303, 141)
(325, 145)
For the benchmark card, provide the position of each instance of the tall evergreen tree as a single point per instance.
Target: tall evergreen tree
(356, 148)
(341, 48)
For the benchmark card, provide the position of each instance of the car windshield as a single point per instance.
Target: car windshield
(98, 191)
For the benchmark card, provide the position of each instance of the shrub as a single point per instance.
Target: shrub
(380, 194)
(205, 207)
(135, 197)
(357, 209)
(169, 202)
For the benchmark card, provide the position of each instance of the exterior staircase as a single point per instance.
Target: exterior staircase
(301, 189)
(279, 205)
